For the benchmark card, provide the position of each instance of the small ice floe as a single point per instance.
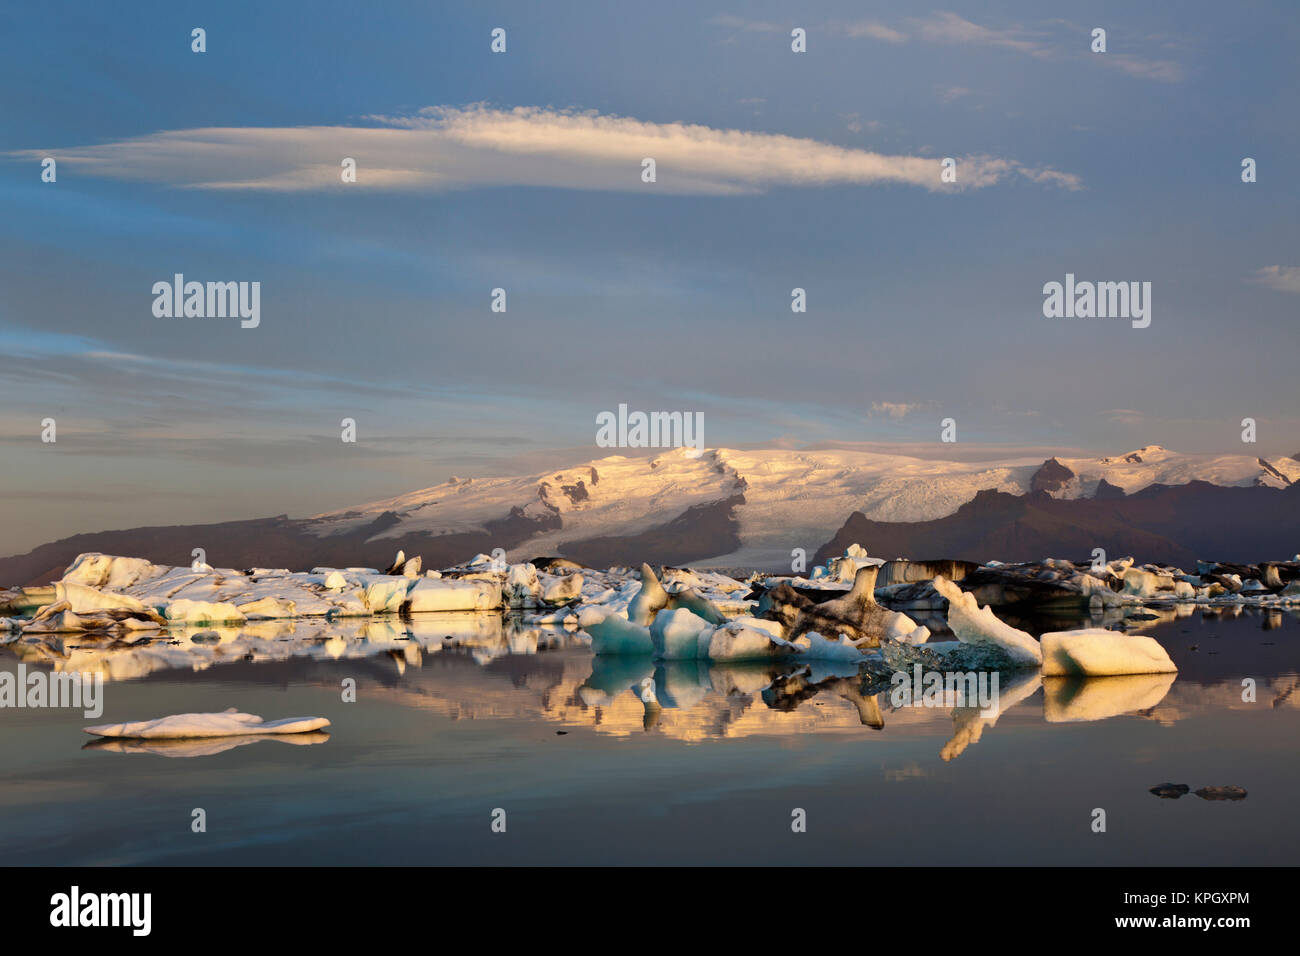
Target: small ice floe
(973, 624)
(228, 723)
(1096, 652)
(198, 746)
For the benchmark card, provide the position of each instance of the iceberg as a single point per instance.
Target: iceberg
(973, 624)
(203, 612)
(198, 746)
(649, 601)
(1095, 652)
(228, 723)
(615, 635)
(452, 594)
(676, 635)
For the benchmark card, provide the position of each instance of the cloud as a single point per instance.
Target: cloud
(1125, 416)
(443, 148)
(896, 409)
(744, 24)
(1166, 71)
(875, 31)
(1279, 278)
(944, 27)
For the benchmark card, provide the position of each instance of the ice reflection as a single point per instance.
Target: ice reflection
(498, 667)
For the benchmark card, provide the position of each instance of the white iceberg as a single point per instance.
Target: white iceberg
(675, 635)
(228, 723)
(973, 624)
(453, 594)
(203, 612)
(616, 636)
(745, 639)
(1095, 652)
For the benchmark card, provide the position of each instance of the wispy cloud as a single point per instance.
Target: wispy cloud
(1124, 416)
(442, 148)
(874, 30)
(1279, 278)
(1045, 43)
(950, 93)
(744, 24)
(946, 27)
(897, 409)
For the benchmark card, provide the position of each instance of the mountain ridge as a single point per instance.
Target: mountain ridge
(751, 509)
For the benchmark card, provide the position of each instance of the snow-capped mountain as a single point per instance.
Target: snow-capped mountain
(741, 509)
(775, 500)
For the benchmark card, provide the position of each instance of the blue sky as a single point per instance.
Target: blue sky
(778, 170)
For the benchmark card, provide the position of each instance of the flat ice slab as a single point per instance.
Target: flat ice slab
(229, 723)
(1094, 652)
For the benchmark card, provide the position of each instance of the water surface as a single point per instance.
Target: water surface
(457, 718)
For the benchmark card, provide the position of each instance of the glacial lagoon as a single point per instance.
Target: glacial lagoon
(464, 720)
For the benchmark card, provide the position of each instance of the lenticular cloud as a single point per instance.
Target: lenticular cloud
(441, 148)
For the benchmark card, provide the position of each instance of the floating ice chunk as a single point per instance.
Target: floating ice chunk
(976, 625)
(203, 612)
(199, 746)
(83, 599)
(745, 639)
(56, 619)
(562, 590)
(335, 581)
(902, 628)
(813, 646)
(681, 578)
(453, 594)
(386, 593)
(615, 635)
(1147, 584)
(228, 723)
(649, 601)
(1095, 652)
(676, 633)
(521, 588)
(268, 608)
(108, 570)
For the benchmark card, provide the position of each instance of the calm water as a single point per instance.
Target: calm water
(445, 732)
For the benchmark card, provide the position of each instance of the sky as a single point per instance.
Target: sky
(522, 170)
